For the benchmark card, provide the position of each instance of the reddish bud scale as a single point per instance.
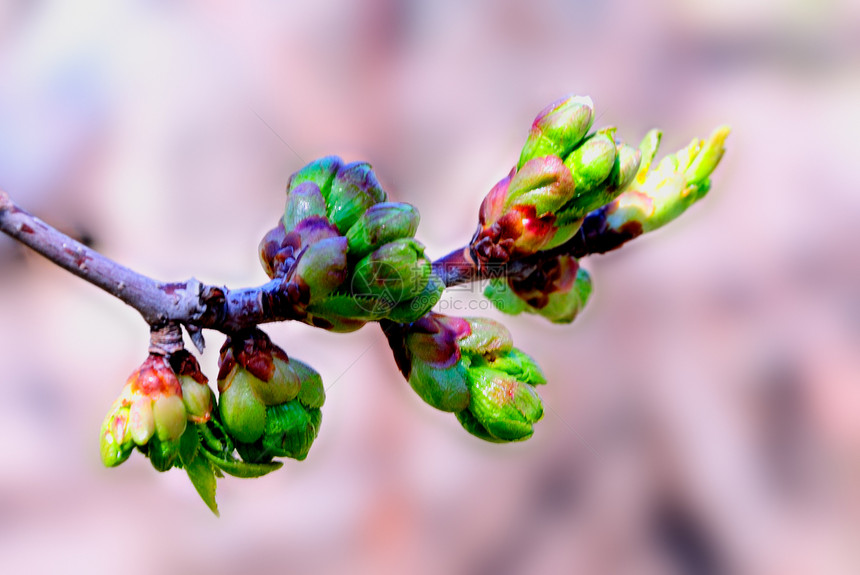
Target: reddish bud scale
(557, 274)
(155, 379)
(183, 363)
(433, 339)
(518, 233)
(253, 351)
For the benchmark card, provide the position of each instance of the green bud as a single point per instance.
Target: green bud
(303, 201)
(413, 309)
(197, 398)
(505, 407)
(321, 172)
(518, 365)
(323, 266)
(283, 386)
(116, 443)
(353, 191)
(380, 224)
(558, 128)
(242, 412)
(162, 454)
(290, 430)
(660, 195)
(397, 271)
(591, 163)
(544, 183)
(141, 420)
(344, 313)
(625, 169)
(445, 388)
(649, 145)
(486, 336)
(312, 393)
(170, 418)
(473, 426)
(566, 227)
(503, 297)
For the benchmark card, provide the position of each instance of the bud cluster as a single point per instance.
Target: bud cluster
(563, 174)
(469, 366)
(342, 255)
(269, 403)
(152, 411)
(556, 288)
(348, 256)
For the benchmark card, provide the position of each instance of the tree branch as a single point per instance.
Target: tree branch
(198, 306)
(190, 303)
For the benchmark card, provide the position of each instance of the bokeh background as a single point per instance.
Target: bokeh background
(703, 415)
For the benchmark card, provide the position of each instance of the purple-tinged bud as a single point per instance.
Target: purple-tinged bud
(469, 366)
(321, 172)
(303, 201)
(558, 128)
(322, 267)
(435, 371)
(380, 224)
(278, 251)
(353, 191)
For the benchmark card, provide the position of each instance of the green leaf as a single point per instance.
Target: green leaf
(241, 468)
(189, 443)
(202, 476)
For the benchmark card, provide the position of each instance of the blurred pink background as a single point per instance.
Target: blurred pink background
(702, 416)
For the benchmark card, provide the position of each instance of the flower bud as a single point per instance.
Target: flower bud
(243, 413)
(196, 394)
(626, 166)
(290, 427)
(380, 224)
(591, 163)
(254, 374)
(544, 183)
(312, 392)
(504, 407)
(659, 195)
(150, 410)
(469, 366)
(395, 272)
(354, 190)
(557, 289)
(303, 201)
(558, 128)
(278, 251)
(321, 172)
(116, 442)
(413, 309)
(433, 364)
(290, 430)
(322, 267)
